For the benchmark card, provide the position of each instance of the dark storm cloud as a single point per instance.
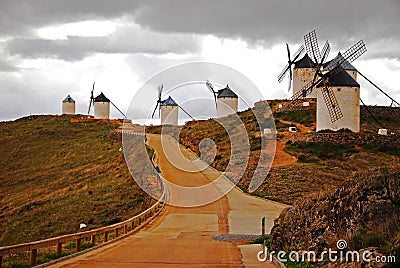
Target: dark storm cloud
(130, 39)
(7, 66)
(268, 22)
(258, 21)
(145, 66)
(21, 17)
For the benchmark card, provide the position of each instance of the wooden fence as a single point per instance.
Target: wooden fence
(125, 227)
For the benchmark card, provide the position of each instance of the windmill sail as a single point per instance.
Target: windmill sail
(288, 67)
(159, 94)
(334, 67)
(91, 98)
(211, 88)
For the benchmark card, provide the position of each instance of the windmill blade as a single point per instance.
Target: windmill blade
(215, 100)
(325, 51)
(304, 92)
(316, 74)
(91, 97)
(312, 48)
(284, 72)
(211, 88)
(118, 109)
(160, 89)
(290, 79)
(152, 115)
(185, 112)
(354, 52)
(90, 105)
(298, 53)
(287, 69)
(288, 52)
(331, 103)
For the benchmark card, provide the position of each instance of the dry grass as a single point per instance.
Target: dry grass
(321, 166)
(56, 174)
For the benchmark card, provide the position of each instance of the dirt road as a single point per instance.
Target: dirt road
(195, 236)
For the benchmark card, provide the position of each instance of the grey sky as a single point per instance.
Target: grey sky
(148, 30)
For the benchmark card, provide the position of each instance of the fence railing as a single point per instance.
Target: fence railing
(121, 228)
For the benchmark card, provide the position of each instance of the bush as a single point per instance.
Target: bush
(326, 150)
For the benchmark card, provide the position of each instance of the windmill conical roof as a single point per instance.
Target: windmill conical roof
(101, 98)
(304, 62)
(341, 79)
(330, 64)
(168, 102)
(226, 92)
(68, 99)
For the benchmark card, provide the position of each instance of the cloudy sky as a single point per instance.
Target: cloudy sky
(51, 48)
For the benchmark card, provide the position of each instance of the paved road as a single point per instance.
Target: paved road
(196, 236)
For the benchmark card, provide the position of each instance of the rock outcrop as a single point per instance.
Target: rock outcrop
(365, 212)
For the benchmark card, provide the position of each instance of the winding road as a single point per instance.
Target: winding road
(211, 235)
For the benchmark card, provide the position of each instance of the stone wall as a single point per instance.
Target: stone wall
(391, 112)
(344, 138)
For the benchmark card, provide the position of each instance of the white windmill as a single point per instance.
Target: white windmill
(226, 101)
(167, 109)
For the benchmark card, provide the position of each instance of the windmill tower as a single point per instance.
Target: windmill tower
(303, 73)
(226, 101)
(330, 83)
(101, 107)
(169, 112)
(347, 93)
(68, 105)
(167, 109)
(350, 69)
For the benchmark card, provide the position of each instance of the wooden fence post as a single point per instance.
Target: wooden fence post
(78, 244)
(116, 233)
(93, 239)
(105, 236)
(59, 248)
(33, 256)
(125, 229)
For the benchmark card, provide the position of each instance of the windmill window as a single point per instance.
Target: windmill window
(338, 89)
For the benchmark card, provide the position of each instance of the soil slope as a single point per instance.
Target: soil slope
(55, 175)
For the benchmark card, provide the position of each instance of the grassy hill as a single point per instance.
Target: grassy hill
(321, 165)
(343, 185)
(55, 174)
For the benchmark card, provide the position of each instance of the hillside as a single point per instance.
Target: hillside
(365, 212)
(56, 174)
(324, 160)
